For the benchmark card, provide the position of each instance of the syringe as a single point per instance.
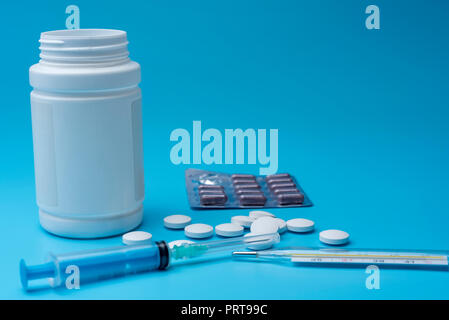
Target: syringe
(95, 265)
(306, 255)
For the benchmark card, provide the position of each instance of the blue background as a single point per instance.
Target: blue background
(362, 118)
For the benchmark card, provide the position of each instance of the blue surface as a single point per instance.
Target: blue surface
(362, 118)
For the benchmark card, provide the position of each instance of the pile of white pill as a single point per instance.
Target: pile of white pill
(266, 222)
(258, 222)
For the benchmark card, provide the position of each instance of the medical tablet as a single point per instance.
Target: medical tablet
(264, 225)
(177, 221)
(244, 221)
(259, 246)
(281, 224)
(300, 225)
(179, 243)
(258, 213)
(198, 230)
(137, 237)
(229, 230)
(334, 237)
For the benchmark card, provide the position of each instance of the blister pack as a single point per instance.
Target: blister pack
(214, 190)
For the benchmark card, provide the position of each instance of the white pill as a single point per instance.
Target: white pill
(198, 230)
(281, 224)
(300, 225)
(258, 214)
(244, 221)
(177, 221)
(179, 243)
(259, 246)
(229, 230)
(264, 225)
(137, 237)
(334, 237)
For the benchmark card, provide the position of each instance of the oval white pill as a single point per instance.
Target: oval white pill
(334, 237)
(179, 243)
(198, 230)
(137, 237)
(229, 230)
(259, 213)
(281, 224)
(177, 221)
(244, 221)
(300, 225)
(264, 225)
(268, 243)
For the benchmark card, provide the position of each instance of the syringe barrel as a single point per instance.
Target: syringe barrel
(95, 265)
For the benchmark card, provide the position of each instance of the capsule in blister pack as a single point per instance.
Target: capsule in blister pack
(213, 190)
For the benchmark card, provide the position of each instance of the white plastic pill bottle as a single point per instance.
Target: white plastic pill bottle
(87, 134)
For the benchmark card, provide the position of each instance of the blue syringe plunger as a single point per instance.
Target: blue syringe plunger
(38, 271)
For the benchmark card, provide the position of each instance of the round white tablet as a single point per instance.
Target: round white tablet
(179, 243)
(244, 221)
(334, 237)
(137, 237)
(198, 230)
(264, 225)
(229, 230)
(177, 221)
(281, 224)
(259, 246)
(300, 225)
(259, 213)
